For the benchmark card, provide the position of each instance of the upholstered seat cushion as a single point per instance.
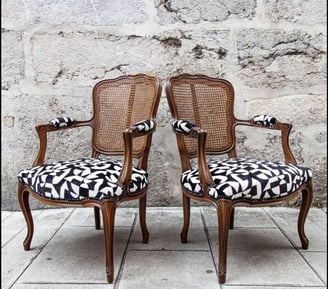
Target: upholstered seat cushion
(249, 179)
(80, 179)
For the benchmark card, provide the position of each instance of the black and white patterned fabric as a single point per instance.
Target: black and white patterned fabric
(248, 179)
(81, 179)
(61, 121)
(183, 126)
(145, 125)
(264, 120)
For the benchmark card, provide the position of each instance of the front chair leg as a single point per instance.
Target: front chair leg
(307, 195)
(142, 218)
(23, 199)
(186, 218)
(108, 212)
(224, 209)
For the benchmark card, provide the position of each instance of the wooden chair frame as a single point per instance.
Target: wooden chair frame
(107, 206)
(225, 208)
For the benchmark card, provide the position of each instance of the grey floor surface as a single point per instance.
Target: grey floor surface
(67, 252)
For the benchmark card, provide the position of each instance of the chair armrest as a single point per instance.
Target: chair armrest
(184, 127)
(62, 121)
(143, 127)
(264, 120)
(270, 122)
(54, 124)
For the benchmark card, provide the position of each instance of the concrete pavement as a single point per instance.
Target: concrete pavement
(68, 252)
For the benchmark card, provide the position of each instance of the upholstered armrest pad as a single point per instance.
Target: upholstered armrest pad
(61, 121)
(264, 120)
(145, 126)
(183, 126)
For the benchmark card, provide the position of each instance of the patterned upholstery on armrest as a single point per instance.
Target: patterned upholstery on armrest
(81, 179)
(61, 121)
(248, 179)
(264, 120)
(145, 125)
(183, 126)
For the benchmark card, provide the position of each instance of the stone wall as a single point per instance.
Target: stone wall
(53, 53)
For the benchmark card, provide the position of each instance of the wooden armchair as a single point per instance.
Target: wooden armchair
(204, 123)
(124, 111)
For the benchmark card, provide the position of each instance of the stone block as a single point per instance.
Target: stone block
(306, 109)
(275, 58)
(13, 15)
(295, 11)
(95, 13)
(82, 57)
(191, 11)
(12, 58)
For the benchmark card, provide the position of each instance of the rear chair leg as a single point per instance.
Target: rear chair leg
(97, 217)
(23, 198)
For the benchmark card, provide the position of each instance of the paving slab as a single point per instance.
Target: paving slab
(318, 262)
(76, 255)
(62, 286)
(14, 259)
(14, 224)
(6, 214)
(244, 217)
(269, 287)
(260, 257)
(315, 226)
(168, 269)
(164, 228)
(85, 217)
(68, 252)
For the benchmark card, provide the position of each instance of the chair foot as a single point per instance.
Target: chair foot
(222, 278)
(183, 237)
(110, 277)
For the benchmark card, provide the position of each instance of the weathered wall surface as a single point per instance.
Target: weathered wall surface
(53, 52)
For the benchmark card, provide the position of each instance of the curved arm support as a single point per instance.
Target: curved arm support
(189, 129)
(139, 129)
(43, 130)
(285, 129)
(204, 173)
(126, 172)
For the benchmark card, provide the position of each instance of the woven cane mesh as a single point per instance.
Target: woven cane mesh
(118, 104)
(208, 104)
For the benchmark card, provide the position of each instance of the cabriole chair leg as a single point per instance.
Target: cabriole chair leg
(224, 209)
(186, 218)
(307, 195)
(142, 219)
(23, 198)
(108, 212)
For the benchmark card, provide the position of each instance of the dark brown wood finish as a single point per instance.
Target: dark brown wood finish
(216, 136)
(118, 104)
